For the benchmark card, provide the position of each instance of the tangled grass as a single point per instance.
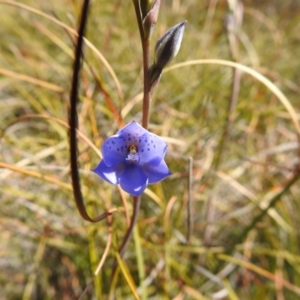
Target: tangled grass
(232, 105)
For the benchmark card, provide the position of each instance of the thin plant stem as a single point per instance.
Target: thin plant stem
(146, 66)
(126, 239)
(233, 46)
(189, 202)
(136, 207)
(236, 83)
(145, 123)
(146, 112)
(230, 115)
(73, 121)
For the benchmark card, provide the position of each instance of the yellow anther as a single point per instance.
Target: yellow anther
(132, 149)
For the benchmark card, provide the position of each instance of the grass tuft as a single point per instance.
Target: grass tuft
(236, 113)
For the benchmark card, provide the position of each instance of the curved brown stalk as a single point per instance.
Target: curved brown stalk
(73, 121)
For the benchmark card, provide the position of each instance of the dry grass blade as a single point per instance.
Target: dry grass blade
(71, 30)
(49, 252)
(261, 271)
(32, 80)
(273, 88)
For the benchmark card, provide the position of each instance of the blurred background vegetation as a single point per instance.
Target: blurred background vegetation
(245, 242)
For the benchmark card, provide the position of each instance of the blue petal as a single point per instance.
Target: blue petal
(156, 173)
(151, 149)
(110, 174)
(114, 150)
(133, 180)
(132, 133)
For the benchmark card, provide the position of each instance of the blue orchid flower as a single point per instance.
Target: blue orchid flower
(133, 158)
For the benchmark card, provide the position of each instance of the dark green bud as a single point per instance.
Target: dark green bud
(168, 45)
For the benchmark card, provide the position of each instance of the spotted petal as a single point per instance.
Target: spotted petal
(133, 180)
(131, 133)
(114, 150)
(152, 149)
(156, 173)
(110, 174)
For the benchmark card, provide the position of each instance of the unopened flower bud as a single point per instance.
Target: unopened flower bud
(168, 45)
(150, 19)
(145, 6)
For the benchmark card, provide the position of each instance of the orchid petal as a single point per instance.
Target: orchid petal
(133, 180)
(110, 174)
(114, 150)
(152, 149)
(132, 133)
(156, 173)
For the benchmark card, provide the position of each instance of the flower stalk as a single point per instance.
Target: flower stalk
(73, 122)
(134, 157)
